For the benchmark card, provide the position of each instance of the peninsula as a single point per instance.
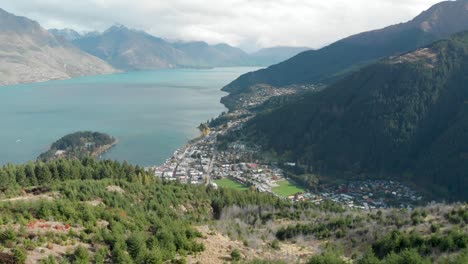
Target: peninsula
(79, 145)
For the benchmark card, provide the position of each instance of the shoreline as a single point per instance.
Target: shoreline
(104, 149)
(155, 149)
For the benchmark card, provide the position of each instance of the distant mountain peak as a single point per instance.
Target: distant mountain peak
(223, 45)
(444, 18)
(66, 33)
(88, 34)
(116, 28)
(18, 24)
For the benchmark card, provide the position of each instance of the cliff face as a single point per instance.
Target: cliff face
(29, 53)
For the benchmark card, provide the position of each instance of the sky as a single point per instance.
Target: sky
(248, 24)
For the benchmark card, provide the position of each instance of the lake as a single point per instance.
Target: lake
(151, 113)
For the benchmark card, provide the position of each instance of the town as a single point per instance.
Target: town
(203, 162)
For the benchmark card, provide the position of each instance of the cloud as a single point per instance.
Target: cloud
(250, 24)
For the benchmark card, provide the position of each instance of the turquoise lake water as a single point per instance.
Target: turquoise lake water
(151, 113)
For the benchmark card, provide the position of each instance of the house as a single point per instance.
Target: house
(59, 153)
(168, 173)
(89, 144)
(158, 173)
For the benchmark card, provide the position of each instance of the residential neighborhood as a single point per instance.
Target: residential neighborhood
(370, 194)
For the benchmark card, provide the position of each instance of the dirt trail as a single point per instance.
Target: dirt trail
(31, 197)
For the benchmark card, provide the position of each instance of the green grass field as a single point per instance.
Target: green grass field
(287, 188)
(228, 183)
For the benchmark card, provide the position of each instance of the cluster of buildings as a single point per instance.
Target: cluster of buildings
(370, 194)
(190, 165)
(262, 92)
(202, 162)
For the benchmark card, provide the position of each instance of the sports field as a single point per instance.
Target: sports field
(287, 188)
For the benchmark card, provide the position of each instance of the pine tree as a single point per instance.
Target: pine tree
(4, 181)
(135, 245)
(21, 178)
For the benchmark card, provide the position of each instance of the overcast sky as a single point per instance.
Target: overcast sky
(249, 24)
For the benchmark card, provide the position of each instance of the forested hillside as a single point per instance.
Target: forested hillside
(104, 212)
(403, 118)
(88, 211)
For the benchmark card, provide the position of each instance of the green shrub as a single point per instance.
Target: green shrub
(81, 256)
(8, 235)
(275, 244)
(236, 255)
(19, 255)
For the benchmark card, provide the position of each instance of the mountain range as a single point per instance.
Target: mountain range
(347, 55)
(130, 49)
(29, 53)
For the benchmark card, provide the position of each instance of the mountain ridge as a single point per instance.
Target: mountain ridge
(131, 49)
(29, 53)
(344, 56)
(66, 33)
(272, 55)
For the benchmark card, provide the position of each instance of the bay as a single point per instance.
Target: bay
(151, 113)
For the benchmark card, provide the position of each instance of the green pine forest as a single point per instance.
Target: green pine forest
(119, 213)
